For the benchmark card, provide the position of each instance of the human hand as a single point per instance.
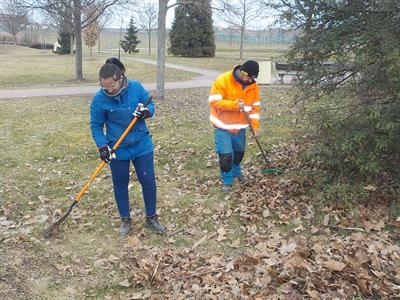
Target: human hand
(255, 133)
(141, 112)
(241, 105)
(106, 154)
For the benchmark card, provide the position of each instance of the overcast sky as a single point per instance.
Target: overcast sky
(170, 17)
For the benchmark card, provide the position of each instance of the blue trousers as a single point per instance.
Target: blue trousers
(144, 167)
(227, 143)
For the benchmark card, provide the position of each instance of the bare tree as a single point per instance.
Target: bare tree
(92, 31)
(72, 10)
(161, 37)
(146, 18)
(231, 33)
(122, 17)
(103, 20)
(240, 13)
(13, 17)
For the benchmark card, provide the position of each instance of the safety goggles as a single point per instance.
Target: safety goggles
(121, 83)
(114, 86)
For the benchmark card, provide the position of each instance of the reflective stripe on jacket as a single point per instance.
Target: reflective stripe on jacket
(225, 111)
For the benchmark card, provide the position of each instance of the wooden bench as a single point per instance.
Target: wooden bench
(283, 69)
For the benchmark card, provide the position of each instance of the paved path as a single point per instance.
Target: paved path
(205, 80)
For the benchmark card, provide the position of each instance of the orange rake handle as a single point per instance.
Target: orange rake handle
(103, 163)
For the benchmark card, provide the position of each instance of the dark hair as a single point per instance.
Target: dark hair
(110, 70)
(117, 62)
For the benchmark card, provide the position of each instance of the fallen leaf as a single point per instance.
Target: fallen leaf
(334, 265)
(199, 242)
(133, 241)
(287, 248)
(124, 283)
(235, 244)
(325, 222)
(370, 188)
(221, 234)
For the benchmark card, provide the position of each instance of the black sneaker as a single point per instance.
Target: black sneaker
(125, 228)
(153, 224)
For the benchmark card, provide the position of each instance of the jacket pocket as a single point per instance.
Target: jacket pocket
(121, 116)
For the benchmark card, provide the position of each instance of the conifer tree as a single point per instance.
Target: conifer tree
(192, 32)
(64, 42)
(131, 39)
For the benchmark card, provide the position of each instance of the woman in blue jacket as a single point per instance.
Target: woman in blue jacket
(113, 108)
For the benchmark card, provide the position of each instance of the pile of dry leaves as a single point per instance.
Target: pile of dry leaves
(291, 249)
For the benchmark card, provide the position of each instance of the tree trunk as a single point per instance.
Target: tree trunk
(161, 36)
(241, 40)
(99, 41)
(71, 44)
(149, 32)
(78, 40)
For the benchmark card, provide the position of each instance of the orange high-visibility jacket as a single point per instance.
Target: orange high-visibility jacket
(224, 102)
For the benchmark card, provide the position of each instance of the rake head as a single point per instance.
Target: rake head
(55, 228)
(273, 171)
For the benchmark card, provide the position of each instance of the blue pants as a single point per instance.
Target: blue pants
(144, 167)
(229, 147)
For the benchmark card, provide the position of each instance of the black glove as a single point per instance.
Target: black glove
(141, 112)
(106, 154)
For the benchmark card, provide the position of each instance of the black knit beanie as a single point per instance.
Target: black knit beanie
(250, 67)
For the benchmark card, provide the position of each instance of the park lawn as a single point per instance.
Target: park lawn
(225, 58)
(48, 154)
(268, 237)
(23, 67)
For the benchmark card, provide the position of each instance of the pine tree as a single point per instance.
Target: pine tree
(192, 32)
(349, 51)
(131, 39)
(64, 42)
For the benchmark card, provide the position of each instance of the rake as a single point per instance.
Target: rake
(54, 228)
(268, 170)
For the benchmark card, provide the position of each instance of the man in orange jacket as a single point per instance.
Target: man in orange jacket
(233, 94)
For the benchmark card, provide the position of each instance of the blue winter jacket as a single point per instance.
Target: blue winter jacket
(115, 112)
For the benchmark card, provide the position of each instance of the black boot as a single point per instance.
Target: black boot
(125, 228)
(153, 224)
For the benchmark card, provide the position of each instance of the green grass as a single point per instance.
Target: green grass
(26, 67)
(49, 148)
(48, 154)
